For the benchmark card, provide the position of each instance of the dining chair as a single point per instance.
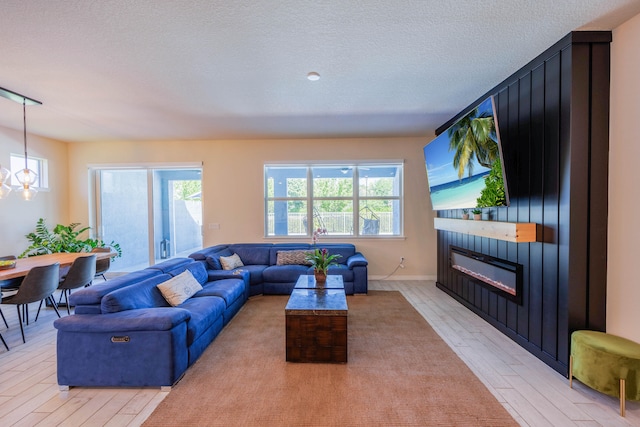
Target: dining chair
(8, 285)
(81, 274)
(102, 265)
(38, 285)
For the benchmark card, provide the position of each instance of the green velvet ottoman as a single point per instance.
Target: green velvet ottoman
(607, 363)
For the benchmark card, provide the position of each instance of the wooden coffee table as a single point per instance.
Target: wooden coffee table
(316, 322)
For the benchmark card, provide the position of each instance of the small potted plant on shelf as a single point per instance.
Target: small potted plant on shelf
(465, 213)
(477, 214)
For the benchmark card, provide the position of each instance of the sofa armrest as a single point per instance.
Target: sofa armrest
(357, 260)
(143, 319)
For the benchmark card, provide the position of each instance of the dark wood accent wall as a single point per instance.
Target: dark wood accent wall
(553, 116)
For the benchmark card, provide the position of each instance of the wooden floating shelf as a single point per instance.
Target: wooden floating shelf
(517, 232)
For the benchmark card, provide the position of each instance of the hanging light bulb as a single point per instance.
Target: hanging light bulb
(26, 177)
(4, 188)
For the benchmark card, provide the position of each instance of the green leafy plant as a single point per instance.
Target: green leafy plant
(493, 193)
(63, 238)
(476, 211)
(321, 260)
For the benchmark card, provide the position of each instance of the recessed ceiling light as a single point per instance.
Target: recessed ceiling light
(313, 76)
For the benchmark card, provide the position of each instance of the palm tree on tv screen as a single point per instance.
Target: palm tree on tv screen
(473, 136)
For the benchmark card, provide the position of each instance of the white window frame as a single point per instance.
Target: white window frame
(356, 198)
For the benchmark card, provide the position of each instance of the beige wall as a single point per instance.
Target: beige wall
(623, 280)
(233, 189)
(17, 217)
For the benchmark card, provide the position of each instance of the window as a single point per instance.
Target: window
(39, 166)
(346, 199)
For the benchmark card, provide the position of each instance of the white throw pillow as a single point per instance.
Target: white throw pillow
(180, 288)
(231, 262)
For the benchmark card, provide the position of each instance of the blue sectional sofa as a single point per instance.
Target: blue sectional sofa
(268, 276)
(124, 333)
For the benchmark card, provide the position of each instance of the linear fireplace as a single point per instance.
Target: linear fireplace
(497, 275)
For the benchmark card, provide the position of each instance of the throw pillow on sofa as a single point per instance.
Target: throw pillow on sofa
(231, 262)
(179, 288)
(297, 257)
(213, 260)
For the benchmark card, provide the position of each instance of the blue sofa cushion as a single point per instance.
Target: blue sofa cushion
(284, 273)
(146, 319)
(343, 270)
(94, 293)
(252, 253)
(204, 312)
(227, 289)
(345, 250)
(140, 295)
(255, 273)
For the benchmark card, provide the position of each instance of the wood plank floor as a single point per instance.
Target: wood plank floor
(532, 392)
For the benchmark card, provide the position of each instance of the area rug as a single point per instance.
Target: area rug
(399, 373)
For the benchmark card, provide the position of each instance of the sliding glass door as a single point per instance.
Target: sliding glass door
(153, 213)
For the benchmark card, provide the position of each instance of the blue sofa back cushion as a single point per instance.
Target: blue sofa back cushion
(144, 294)
(345, 250)
(94, 293)
(202, 254)
(252, 253)
(197, 269)
(171, 264)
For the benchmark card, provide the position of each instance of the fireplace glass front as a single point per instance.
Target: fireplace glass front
(497, 275)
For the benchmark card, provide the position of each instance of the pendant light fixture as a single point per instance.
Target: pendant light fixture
(26, 177)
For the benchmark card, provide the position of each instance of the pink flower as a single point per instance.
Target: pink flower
(317, 233)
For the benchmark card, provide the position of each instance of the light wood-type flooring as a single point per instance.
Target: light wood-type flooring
(532, 392)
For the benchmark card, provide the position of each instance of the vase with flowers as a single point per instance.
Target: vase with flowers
(321, 261)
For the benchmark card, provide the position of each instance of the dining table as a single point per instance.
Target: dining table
(24, 265)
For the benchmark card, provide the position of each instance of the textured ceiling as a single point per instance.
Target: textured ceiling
(203, 69)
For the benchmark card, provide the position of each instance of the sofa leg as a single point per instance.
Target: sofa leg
(63, 388)
(166, 388)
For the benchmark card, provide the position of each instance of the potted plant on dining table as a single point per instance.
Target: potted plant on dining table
(321, 261)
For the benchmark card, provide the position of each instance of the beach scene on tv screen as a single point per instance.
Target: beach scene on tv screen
(463, 163)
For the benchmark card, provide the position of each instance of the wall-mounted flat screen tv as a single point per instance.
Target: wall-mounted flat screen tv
(464, 163)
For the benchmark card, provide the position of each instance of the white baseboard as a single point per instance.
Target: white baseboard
(400, 277)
